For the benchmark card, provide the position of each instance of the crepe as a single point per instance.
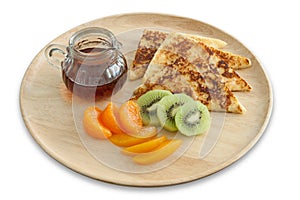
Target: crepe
(150, 42)
(170, 71)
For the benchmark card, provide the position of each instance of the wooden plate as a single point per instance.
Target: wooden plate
(47, 109)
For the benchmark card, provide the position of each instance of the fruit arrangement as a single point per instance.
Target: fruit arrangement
(133, 126)
(174, 112)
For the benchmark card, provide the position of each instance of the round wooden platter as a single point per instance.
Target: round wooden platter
(47, 111)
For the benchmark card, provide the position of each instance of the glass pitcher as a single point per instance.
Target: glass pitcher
(91, 64)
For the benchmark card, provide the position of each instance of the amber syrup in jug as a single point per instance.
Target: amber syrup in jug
(94, 67)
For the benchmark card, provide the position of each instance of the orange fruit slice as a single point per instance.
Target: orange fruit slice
(92, 126)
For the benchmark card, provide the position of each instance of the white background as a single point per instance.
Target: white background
(270, 29)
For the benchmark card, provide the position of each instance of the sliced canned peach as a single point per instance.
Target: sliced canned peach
(131, 121)
(145, 146)
(92, 125)
(124, 140)
(159, 154)
(109, 118)
(165, 143)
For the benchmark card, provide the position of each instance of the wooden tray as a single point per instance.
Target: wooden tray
(47, 109)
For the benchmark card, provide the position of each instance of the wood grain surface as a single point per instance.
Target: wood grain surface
(48, 109)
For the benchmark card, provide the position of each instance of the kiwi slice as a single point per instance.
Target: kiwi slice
(167, 108)
(193, 118)
(147, 103)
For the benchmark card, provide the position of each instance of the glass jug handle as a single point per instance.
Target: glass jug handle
(55, 54)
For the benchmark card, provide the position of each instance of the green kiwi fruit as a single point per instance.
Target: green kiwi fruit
(167, 108)
(193, 118)
(147, 103)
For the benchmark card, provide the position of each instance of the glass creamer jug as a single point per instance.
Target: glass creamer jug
(91, 65)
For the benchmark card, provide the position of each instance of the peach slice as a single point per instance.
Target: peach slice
(145, 146)
(92, 125)
(159, 154)
(163, 144)
(125, 140)
(131, 121)
(110, 117)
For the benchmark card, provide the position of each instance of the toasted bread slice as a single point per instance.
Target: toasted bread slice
(170, 71)
(150, 42)
(152, 39)
(233, 60)
(199, 54)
